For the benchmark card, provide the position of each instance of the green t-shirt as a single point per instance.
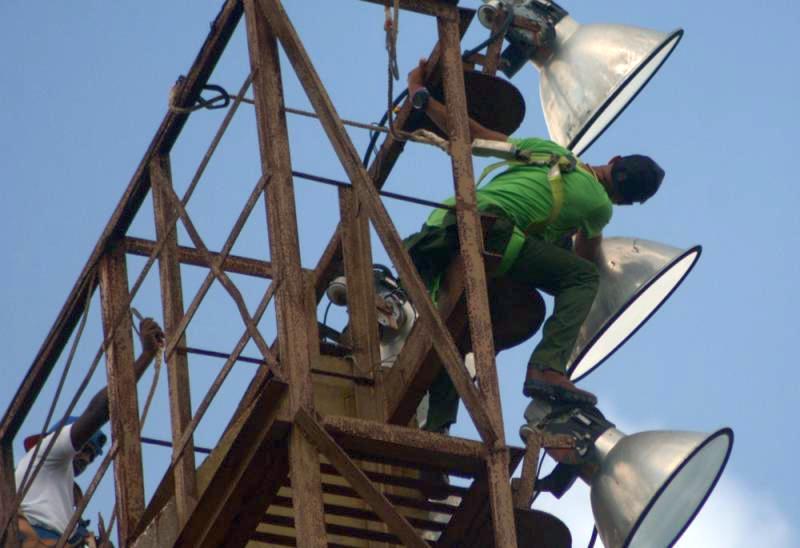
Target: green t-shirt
(523, 193)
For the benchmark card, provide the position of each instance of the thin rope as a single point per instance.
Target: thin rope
(391, 26)
(24, 486)
(421, 135)
(156, 373)
(157, 369)
(89, 493)
(142, 420)
(95, 481)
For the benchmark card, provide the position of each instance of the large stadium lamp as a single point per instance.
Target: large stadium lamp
(646, 488)
(636, 278)
(588, 73)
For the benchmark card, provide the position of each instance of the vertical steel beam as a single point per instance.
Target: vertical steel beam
(123, 401)
(180, 405)
(471, 245)
(389, 151)
(492, 59)
(363, 325)
(469, 223)
(343, 146)
(8, 494)
(292, 308)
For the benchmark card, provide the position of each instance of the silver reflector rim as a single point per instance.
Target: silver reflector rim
(642, 305)
(678, 501)
(624, 94)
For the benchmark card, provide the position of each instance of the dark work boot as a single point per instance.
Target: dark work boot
(555, 386)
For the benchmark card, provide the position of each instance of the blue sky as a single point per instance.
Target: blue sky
(86, 85)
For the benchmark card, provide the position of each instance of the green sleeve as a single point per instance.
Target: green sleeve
(437, 216)
(536, 144)
(527, 143)
(593, 224)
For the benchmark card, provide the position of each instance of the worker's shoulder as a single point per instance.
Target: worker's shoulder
(586, 193)
(538, 144)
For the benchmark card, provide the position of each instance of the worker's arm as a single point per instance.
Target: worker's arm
(96, 413)
(588, 248)
(437, 112)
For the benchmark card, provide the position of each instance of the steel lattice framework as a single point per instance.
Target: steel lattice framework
(278, 435)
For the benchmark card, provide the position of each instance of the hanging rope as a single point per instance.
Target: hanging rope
(156, 374)
(156, 371)
(24, 485)
(392, 26)
(89, 493)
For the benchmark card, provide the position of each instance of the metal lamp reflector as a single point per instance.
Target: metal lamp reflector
(651, 485)
(636, 278)
(624, 93)
(589, 73)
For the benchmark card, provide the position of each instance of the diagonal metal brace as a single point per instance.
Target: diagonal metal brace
(358, 480)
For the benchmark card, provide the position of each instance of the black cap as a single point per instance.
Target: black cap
(636, 177)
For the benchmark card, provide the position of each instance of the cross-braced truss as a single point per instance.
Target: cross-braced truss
(287, 467)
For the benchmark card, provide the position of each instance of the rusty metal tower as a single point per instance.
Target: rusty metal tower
(319, 452)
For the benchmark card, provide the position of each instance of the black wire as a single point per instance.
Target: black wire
(394, 195)
(374, 135)
(538, 471)
(325, 316)
(593, 538)
(500, 32)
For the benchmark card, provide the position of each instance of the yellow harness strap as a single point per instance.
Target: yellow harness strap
(510, 253)
(558, 165)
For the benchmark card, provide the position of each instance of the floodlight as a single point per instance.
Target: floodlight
(646, 488)
(636, 278)
(589, 74)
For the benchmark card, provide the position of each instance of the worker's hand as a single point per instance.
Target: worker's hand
(150, 335)
(416, 78)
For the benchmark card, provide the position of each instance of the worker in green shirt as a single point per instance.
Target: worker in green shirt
(537, 209)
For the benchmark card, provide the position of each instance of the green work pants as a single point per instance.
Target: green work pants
(570, 279)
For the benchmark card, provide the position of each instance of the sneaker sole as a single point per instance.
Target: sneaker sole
(556, 393)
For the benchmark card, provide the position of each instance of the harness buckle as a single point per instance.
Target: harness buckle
(570, 165)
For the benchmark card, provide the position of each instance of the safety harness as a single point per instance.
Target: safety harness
(558, 164)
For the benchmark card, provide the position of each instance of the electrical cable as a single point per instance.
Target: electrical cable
(593, 538)
(538, 471)
(374, 135)
(500, 32)
(325, 316)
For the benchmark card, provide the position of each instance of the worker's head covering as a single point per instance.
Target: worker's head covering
(97, 441)
(636, 177)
